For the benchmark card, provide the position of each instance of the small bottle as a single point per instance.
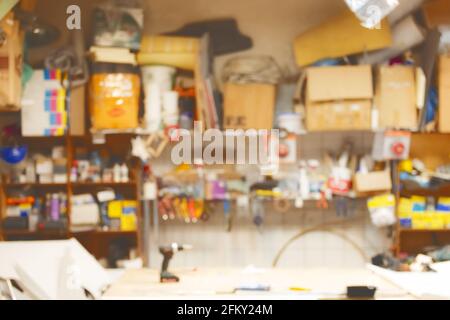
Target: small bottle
(48, 200)
(63, 205)
(124, 173)
(54, 207)
(73, 174)
(304, 183)
(33, 218)
(117, 172)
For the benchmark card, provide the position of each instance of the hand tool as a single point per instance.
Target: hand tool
(168, 252)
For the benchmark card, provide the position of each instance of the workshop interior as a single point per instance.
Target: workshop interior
(253, 149)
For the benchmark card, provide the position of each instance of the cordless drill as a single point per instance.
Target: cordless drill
(168, 252)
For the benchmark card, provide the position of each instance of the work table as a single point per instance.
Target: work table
(219, 284)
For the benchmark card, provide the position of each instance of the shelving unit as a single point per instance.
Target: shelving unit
(96, 241)
(433, 149)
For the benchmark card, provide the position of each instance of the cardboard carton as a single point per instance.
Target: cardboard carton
(343, 115)
(337, 83)
(372, 181)
(249, 106)
(396, 98)
(340, 36)
(339, 98)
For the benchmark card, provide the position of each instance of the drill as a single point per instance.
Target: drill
(168, 252)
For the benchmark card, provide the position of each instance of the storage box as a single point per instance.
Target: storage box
(44, 109)
(396, 98)
(338, 36)
(11, 66)
(344, 115)
(339, 83)
(249, 106)
(444, 94)
(334, 104)
(372, 181)
(85, 214)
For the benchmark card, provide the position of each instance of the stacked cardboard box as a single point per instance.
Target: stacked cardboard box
(339, 98)
(396, 98)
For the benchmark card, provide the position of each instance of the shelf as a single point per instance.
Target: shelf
(424, 230)
(115, 232)
(34, 184)
(75, 184)
(442, 191)
(64, 232)
(103, 184)
(35, 233)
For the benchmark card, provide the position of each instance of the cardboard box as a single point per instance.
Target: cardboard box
(249, 106)
(339, 83)
(77, 111)
(444, 94)
(373, 181)
(344, 115)
(334, 104)
(44, 108)
(11, 67)
(340, 36)
(396, 98)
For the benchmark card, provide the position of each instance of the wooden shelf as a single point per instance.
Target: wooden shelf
(424, 230)
(64, 232)
(441, 191)
(40, 233)
(34, 184)
(75, 184)
(101, 184)
(104, 232)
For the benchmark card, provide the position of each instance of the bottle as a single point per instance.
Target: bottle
(54, 207)
(73, 174)
(63, 205)
(48, 199)
(304, 182)
(33, 218)
(117, 172)
(124, 173)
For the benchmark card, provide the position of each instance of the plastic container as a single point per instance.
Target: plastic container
(162, 75)
(114, 100)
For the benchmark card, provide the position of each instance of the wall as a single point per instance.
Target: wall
(273, 25)
(248, 245)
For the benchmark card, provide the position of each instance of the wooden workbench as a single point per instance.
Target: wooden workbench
(219, 284)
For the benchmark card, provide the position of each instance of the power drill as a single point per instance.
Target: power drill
(167, 252)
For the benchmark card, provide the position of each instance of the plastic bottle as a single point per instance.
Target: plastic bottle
(117, 172)
(54, 207)
(124, 173)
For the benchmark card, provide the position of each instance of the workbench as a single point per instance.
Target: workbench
(219, 284)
